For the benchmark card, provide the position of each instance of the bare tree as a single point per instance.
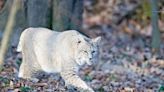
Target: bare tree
(8, 30)
(155, 29)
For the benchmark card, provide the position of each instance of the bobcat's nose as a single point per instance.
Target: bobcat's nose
(90, 56)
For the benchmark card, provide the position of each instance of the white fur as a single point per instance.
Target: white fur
(50, 51)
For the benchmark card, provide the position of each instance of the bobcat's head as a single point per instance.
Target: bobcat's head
(85, 50)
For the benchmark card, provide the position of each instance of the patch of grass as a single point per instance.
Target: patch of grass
(25, 89)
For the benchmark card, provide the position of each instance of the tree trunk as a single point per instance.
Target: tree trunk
(8, 31)
(4, 12)
(38, 13)
(155, 29)
(67, 14)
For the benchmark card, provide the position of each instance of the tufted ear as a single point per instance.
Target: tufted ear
(97, 40)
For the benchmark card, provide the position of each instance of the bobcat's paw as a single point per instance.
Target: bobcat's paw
(90, 90)
(87, 90)
(35, 80)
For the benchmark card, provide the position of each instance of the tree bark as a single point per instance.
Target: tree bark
(8, 31)
(18, 26)
(67, 14)
(38, 13)
(155, 28)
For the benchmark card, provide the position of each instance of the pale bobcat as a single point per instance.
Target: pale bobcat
(56, 52)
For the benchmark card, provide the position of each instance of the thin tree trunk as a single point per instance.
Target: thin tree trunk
(8, 31)
(20, 20)
(155, 29)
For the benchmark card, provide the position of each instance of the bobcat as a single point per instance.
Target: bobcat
(56, 52)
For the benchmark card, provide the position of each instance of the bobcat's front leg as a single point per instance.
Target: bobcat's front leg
(74, 80)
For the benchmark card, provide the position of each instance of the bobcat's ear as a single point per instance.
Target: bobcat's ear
(97, 40)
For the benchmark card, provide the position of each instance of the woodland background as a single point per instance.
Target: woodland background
(131, 52)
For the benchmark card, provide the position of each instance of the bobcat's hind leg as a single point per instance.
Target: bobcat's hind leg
(29, 64)
(28, 68)
(25, 71)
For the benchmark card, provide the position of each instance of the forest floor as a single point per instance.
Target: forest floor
(125, 63)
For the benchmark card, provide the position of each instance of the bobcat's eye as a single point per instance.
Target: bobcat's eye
(85, 51)
(79, 42)
(93, 52)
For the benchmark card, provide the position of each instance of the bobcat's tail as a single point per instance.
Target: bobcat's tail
(19, 47)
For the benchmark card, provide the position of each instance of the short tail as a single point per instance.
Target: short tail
(19, 47)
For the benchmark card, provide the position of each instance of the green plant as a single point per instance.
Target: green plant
(25, 89)
(101, 89)
(5, 81)
(161, 88)
(87, 78)
(18, 62)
